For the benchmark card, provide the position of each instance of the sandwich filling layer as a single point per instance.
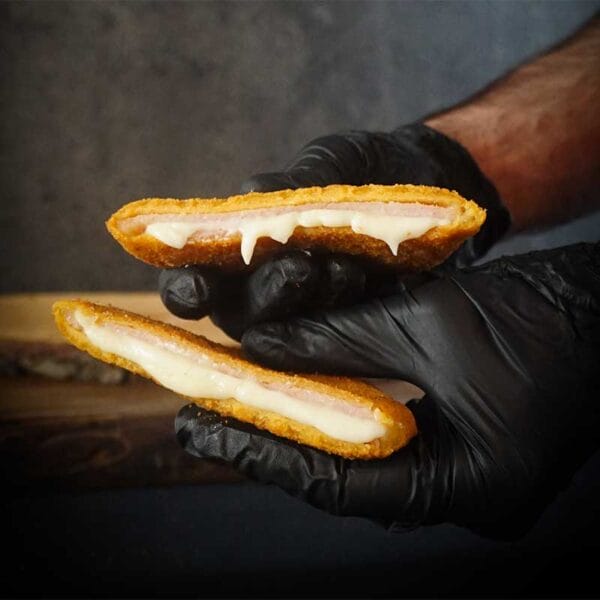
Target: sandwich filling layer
(390, 222)
(195, 375)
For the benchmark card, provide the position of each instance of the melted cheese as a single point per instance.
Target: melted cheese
(198, 378)
(391, 229)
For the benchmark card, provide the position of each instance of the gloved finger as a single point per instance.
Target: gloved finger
(290, 284)
(345, 280)
(269, 182)
(385, 337)
(322, 174)
(340, 158)
(258, 454)
(279, 288)
(194, 292)
(189, 292)
(297, 281)
(406, 487)
(282, 286)
(287, 285)
(229, 311)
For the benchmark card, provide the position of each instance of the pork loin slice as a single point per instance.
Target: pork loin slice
(338, 415)
(409, 227)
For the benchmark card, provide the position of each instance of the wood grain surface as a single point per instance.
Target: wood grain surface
(86, 434)
(28, 317)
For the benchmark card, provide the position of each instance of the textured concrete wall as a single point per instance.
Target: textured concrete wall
(107, 102)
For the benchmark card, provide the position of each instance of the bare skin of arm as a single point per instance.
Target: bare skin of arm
(536, 133)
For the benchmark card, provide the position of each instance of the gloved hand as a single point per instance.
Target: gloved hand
(410, 154)
(508, 356)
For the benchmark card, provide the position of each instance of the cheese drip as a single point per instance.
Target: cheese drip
(391, 229)
(199, 378)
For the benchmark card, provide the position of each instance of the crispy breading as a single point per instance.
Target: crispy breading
(417, 254)
(398, 421)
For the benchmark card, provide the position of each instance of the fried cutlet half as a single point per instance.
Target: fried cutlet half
(409, 227)
(339, 415)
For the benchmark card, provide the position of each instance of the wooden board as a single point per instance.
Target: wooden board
(28, 317)
(56, 434)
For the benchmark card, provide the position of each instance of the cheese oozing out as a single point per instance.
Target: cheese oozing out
(197, 376)
(392, 223)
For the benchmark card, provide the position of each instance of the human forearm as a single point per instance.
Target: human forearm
(536, 132)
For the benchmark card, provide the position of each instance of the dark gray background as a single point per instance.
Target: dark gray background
(108, 102)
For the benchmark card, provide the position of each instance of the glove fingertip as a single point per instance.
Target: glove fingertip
(184, 425)
(266, 343)
(267, 182)
(262, 456)
(192, 425)
(188, 292)
(282, 287)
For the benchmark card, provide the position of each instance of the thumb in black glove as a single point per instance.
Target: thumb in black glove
(507, 354)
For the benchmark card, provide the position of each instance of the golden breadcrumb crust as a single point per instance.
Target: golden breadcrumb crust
(397, 419)
(417, 254)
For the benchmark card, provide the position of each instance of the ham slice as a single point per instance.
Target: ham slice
(339, 415)
(409, 227)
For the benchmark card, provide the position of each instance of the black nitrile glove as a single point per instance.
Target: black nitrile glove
(508, 355)
(410, 154)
